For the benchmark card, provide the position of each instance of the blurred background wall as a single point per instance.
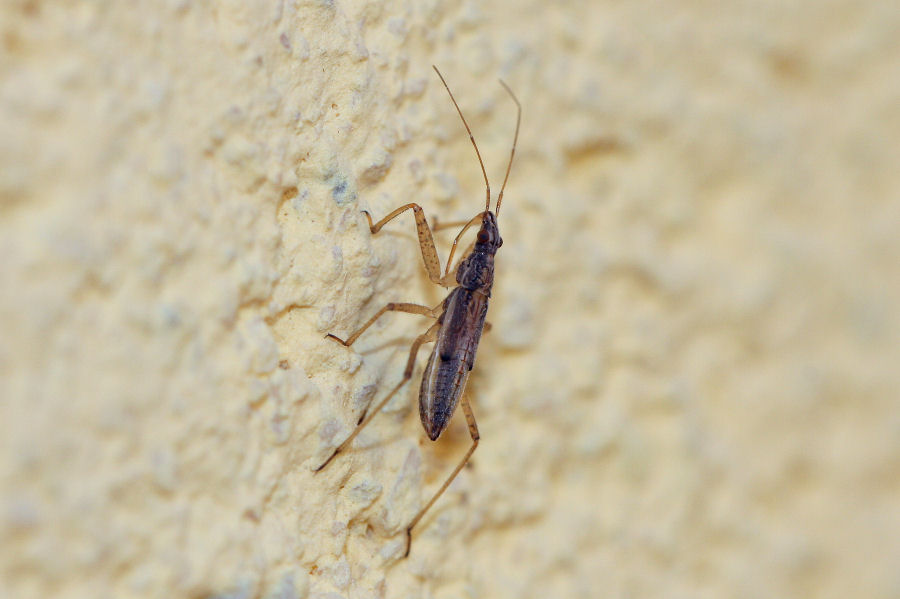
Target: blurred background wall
(690, 389)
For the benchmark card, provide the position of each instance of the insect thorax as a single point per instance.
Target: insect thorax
(476, 273)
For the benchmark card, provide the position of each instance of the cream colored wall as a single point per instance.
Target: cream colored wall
(690, 389)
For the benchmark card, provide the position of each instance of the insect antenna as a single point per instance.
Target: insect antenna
(512, 152)
(487, 185)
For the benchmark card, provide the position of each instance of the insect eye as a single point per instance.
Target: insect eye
(483, 236)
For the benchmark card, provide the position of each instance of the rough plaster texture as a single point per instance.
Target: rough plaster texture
(690, 389)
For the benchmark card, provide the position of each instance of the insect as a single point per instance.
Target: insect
(460, 317)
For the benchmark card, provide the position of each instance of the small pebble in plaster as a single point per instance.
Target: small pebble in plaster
(471, 16)
(416, 170)
(303, 48)
(257, 393)
(338, 528)
(595, 441)
(285, 41)
(261, 350)
(288, 178)
(415, 87)
(392, 550)
(448, 187)
(397, 26)
(342, 192)
(154, 94)
(363, 491)
(329, 429)
(350, 364)
(271, 103)
(21, 514)
(361, 52)
(164, 470)
(234, 115)
(338, 254)
(291, 385)
(280, 425)
(363, 396)
(238, 150)
(166, 164)
(300, 199)
(378, 167)
(326, 318)
(170, 316)
(216, 136)
(340, 573)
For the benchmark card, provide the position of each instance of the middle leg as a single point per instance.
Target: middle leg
(426, 337)
(395, 307)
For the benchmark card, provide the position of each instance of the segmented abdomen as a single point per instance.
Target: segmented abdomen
(453, 357)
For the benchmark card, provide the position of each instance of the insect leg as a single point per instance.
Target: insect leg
(395, 307)
(437, 225)
(475, 219)
(473, 431)
(426, 337)
(426, 241)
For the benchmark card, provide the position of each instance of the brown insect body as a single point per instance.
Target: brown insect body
(460, 319)
(461, 324)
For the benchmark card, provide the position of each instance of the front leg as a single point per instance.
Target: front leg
(426, 241)
(474, 220)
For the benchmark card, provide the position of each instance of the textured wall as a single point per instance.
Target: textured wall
(690, 389)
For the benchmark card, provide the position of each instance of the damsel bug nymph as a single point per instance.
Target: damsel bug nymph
(460, 317)
(460, 324)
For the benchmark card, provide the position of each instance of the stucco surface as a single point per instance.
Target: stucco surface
(690, 388)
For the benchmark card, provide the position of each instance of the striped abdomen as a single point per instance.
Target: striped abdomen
(453, 357)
